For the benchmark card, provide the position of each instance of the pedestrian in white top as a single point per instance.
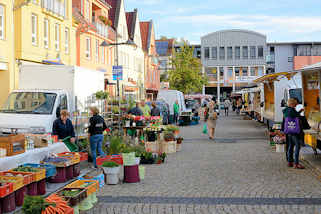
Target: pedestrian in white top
(227, 104)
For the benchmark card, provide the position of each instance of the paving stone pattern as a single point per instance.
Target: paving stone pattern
(239, 173)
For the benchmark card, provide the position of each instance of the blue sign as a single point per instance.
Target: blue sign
(117, 72)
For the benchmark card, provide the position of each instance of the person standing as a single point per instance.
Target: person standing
(136, 111)
(227, 105)
(292, 128)
(97, 126)
(63, 128)
(238, 106)
(155, 110)
(145, 109)
(211, 120)
(176, 111)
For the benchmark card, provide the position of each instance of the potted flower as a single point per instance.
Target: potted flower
(169, 136)
(111, 169)
(163, 156)
(179, 142)
(147, 158)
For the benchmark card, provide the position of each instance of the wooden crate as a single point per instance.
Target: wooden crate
(14, 144)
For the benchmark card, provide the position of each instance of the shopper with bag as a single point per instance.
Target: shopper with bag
(292, 127)
(211, 120)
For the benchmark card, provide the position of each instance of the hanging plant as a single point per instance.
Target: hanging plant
(103, 19)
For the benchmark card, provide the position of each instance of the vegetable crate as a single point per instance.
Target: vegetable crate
(57, 161)
(73, 156)
(13, 144)
(91, 186)
(50, 169)
(27, 177)
(100, 178)
(38, 175)
(115, 158)
(17, 181)
(83, 156)
(5, 189)
(73, 195)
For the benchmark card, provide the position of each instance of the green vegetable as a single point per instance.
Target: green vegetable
(110, 164)
(35, 205)
(25, 169)
(70, 193)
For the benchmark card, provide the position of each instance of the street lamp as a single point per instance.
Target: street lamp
(129, 42)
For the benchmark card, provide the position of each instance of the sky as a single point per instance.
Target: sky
(279, 20)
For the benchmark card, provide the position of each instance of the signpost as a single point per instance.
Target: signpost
(118, 72)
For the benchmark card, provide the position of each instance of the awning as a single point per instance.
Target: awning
(314, 67)
(48, 62)
(275, 77)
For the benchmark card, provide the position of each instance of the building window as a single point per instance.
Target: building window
(88, 10)
(245, 52)
(260, 71)
(214, 53)
(207, 52)
(46, 33)
(229, 53)
(2, 22)
(230, 73)
(88, 45)
(102, 55)
(237, 52)
(97, 51)
(34, 23)
(252, 71)
(260, 52)
(253, 52)
(290, 59)
(57, 37)
(222, 53)
(244, 72)
(237, 72)
(67, 40)
(221, 73)
(58, 7)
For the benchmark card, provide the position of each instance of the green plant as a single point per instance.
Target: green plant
(123, 101)
(115, 110)
(101, 95)
(139, 150)
(34, 205)
(110, 164)
(115, 145)
(147, 155)
(171, 128)
(169, 136)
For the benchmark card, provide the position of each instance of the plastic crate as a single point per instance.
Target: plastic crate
(76, 170)
(6, 189)
(20, 196)
(73, 201)
(83, 156)
(18, 182)
(100, 178)
(32, 189)
(41, 187)
(73, 156)
(37, 176)
(9, 203)
(115, 158)
(92, 185)
(69, 172)
(53, 161)
(50, 169)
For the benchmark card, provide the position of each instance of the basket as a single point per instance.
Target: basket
(129, 159)
(50, 169)
(28, 177)
(17, 181)
(73, 156)
(91, 186)
(13, 144)
(6, 189)
(168, 147)
(73, 201)
(115, 158)
(153, 147)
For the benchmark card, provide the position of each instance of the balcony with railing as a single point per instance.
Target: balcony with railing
(270, 59)
(57, 7)
(102, 29)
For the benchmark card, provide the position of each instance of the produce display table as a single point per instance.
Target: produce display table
(31, 156)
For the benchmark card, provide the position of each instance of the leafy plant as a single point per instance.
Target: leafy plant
(115, 110)
(123, 101)
(169, 136)
(101, 95)
(110, 164)
(171, 128)
(34, 205)
(147, 155)
(115, 145)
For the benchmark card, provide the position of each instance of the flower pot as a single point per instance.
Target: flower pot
(112, 174)
(178, 147)
(179, 140)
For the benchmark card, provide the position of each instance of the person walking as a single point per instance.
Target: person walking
(211, 120)
(227, 105)
(176, 111)
(96, 137)
(292, 128)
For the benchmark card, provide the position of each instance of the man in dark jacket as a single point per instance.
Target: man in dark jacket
(293, 140)
(155, 110)
(136, 110)
(63, 128)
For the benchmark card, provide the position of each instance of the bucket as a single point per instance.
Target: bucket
(32, 189)
(69, 172)
(86, 204)
(280, 148)
(76, 170)
(41, 187)
(60, 177)
(9, 203)
(20, 196)
(131, 174)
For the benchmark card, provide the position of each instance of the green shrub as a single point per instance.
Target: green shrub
(110, 164)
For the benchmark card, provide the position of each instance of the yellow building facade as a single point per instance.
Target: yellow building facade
(44, 32)
(7, 62)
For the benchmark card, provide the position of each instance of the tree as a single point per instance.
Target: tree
(163, 77)
(186, 75)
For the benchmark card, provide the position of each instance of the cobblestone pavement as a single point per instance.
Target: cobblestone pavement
(238, 173)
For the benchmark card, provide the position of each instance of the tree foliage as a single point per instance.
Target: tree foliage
(186, 75)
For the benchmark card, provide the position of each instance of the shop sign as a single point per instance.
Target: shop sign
(117, 72)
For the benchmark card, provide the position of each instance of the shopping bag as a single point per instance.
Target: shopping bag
(205, 129)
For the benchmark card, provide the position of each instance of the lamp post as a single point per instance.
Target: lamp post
(105, 44)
